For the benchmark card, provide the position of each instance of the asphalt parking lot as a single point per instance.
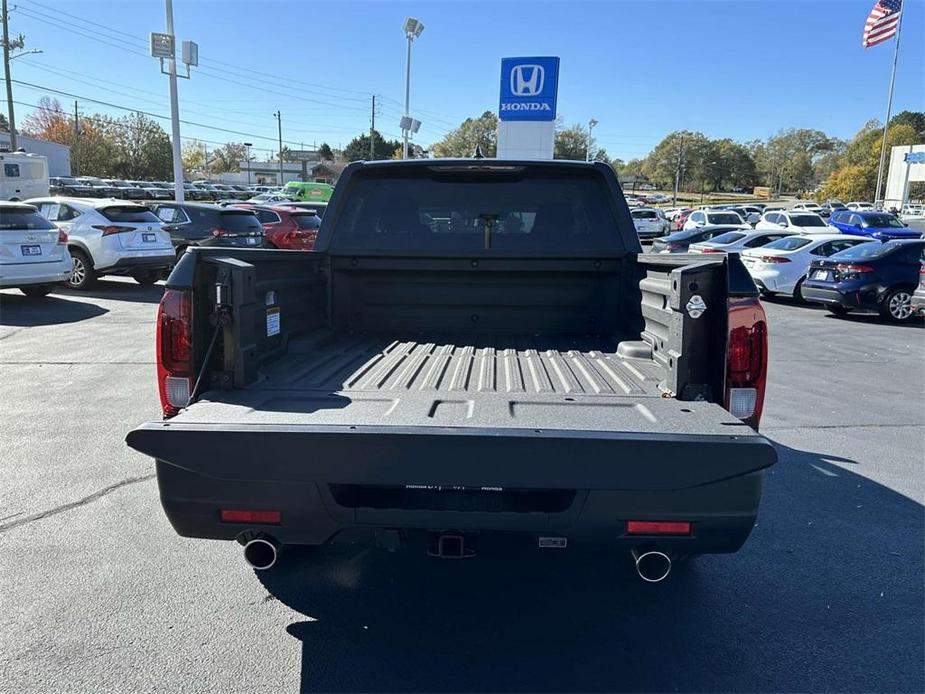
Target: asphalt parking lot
(101, 595)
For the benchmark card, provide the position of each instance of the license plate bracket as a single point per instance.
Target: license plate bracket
(31, 249)
(821, 275)
(149, 238)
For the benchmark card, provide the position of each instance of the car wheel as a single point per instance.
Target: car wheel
(837, 309)
(147, 278)
(897, 305)
(82, 275)
(798, 291)
(37, 291)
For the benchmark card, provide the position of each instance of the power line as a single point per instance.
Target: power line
(147, 113)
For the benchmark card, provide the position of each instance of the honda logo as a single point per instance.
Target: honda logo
(527, 80)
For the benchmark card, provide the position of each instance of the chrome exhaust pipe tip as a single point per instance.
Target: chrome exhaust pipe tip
(652, 565)
(261, 553)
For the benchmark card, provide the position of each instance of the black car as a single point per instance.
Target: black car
(679, 241)
(100, 189)
(69, 186)
(199, 224)
(124, 189)
(213, 192)
(150, 191)
(195, 193)
(872, 276)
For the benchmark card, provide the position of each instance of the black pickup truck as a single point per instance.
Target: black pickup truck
(476, 352)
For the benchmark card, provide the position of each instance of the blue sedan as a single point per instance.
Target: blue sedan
(881, 226)
(878, 276)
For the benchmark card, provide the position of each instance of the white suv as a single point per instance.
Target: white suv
(33, 251)
(110, 237)
(799, 221)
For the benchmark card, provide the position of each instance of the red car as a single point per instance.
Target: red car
(680, 219)
(289, 228)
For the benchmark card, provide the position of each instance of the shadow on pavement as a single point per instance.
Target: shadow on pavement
(120, 291)
(826, 595)
(22, 311)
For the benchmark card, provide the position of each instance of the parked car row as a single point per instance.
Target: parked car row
(92, 187)
(842, 270)
(76, 240)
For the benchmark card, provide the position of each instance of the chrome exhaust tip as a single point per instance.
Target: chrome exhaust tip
(261, 553)
(652, 565)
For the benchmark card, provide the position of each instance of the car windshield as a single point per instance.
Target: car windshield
(864, 251)
(723, 218)
(643, 214)
(807, 220)
(727, 238)
(881, 221)
(790, 243)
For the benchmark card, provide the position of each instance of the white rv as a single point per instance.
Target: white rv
(23, 176)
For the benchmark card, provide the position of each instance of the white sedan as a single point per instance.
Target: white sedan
(860, 206)
(796, 221)
(781, 266)
(808, 207)
(702, 218)
(33, 251)
(738, 241)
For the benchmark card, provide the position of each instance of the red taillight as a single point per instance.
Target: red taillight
(242, 516)
(922, 269)
(658, 527)
(174, 350)
(774, 259)
(218, 232)
(62, 237)
(108, 229)
(710, 249)
(747, 360)
(852, 269)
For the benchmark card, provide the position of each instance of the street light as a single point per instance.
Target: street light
(247, 158)
(591, 124)
(413, 29)
(32, 52)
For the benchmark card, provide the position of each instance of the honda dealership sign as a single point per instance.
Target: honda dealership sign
(528, 88)
(527, 109)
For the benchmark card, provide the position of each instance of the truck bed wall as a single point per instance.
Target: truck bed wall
(485, 296)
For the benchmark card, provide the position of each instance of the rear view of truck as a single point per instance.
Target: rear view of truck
(476, 353)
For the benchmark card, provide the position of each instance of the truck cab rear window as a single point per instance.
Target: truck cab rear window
(530, 213)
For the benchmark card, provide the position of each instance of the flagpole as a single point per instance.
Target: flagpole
(889, 108)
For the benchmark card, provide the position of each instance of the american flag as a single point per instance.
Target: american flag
(881, 22)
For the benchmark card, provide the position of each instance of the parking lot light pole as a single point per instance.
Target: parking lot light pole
(413, 28)
(591, 124)
(174, 112)
(247, 158)
(279, 122)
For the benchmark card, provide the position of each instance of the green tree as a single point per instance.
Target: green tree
(4, 124)
(572, 143)
(228, 157)
(325, 152)
(358, 148)
(479, 132)
(139, 149)
(916, 119)
(193, 155)
(691, 149)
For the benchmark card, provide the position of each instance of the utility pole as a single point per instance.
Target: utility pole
(279, 120)
(76, 141)
(174, 110)
(677, 171)
(372, 131)
(6, 71)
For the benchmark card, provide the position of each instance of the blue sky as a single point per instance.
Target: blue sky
(742, 69)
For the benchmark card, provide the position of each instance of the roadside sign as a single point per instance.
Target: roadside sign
(529, 87)
(162, 45)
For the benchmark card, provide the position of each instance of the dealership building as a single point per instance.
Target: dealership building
(907, 165)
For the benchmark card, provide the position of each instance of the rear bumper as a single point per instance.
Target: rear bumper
(821, 295)
(714, 484)
(126, 266)
(25, 274)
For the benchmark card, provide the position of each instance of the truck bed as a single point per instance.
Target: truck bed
(593, 383)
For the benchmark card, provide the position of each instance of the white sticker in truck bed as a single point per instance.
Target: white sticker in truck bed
(273, 321)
